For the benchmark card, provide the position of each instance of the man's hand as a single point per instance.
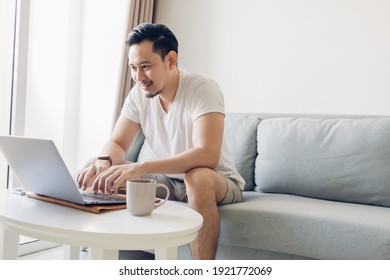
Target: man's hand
(93, 168)
(110, 180)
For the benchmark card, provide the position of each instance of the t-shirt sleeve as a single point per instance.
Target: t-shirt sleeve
(130, 109)
(208, 98)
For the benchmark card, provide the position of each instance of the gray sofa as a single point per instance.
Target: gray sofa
(317, 187)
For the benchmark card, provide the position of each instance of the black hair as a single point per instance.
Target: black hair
(161, 36)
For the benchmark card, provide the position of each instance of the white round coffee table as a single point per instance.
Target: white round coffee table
(169, 226)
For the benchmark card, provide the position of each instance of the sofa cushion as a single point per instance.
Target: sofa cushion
(303, 226)
(336, 159)
(138, 143)
(240, 134)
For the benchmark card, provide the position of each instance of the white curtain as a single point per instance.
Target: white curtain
(139, 11)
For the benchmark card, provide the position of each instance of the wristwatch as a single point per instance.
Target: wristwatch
(106, 158)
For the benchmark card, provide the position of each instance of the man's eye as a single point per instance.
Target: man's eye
(146, 66)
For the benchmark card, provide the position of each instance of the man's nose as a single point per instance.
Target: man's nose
(139, 75)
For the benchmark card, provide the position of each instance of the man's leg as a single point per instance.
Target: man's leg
(205, 188)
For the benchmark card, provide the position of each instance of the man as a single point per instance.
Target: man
(182, 117)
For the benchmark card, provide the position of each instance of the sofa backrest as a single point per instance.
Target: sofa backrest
(342, 159)
(241, 135)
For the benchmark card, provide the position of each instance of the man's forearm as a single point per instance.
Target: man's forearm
(182, 163)
(115, 151)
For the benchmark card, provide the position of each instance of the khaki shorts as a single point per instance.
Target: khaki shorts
(178, 190)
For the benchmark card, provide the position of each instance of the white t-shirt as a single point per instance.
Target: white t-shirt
(170, 133)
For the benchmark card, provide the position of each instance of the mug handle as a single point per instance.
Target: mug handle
(162, 201)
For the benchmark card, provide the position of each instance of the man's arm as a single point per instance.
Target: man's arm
(122, 137)
(207, 140)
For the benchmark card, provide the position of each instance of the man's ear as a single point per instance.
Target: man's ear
(172, 59)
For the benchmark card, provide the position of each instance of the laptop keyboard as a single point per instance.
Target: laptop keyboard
(103, 197)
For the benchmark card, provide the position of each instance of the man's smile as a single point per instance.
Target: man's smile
(145, 85)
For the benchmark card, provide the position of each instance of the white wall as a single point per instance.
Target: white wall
(300, 56)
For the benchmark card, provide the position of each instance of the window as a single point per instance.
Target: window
(66, 58)
(7, 33)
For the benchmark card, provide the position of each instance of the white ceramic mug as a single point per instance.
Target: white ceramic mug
(141, 196)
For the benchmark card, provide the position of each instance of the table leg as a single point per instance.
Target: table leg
(9, 245)
(104, 254)
(166, 253)
(71, 252)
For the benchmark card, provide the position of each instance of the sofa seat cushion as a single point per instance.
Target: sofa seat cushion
(336, 159)
(307, 227)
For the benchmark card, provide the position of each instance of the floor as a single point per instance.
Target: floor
(56, 253)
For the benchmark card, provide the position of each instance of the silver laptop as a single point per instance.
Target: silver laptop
(40, 169)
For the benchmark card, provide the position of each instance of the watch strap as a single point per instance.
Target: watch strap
(106, 158)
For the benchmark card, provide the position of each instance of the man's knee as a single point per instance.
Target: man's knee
(204, 184)
(195, 172)
(200, 178)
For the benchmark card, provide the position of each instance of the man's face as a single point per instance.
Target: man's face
(148, 69)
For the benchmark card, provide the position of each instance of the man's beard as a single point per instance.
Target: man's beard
(152, 95)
